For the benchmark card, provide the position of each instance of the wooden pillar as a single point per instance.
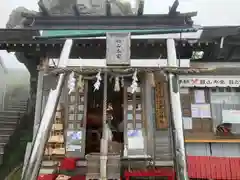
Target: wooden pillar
(105, 134)
(148, 106)
(177, 122)
(38, 105)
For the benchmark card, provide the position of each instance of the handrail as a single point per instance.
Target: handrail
(14, 171)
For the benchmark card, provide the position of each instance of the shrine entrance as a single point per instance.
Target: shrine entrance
(94, 123)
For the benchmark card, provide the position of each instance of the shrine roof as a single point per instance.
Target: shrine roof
(104, 17)
(216, 32)
(144, 22)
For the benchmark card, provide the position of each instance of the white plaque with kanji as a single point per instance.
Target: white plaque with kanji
(118, 49)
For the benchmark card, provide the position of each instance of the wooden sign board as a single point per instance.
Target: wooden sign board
(162, 105)
(118, 49)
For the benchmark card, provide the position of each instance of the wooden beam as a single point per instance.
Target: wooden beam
(43, 8)
(212, 140)
(101, 63)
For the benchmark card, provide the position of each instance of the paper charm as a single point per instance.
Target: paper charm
(71, 83)
(117, 84)
(98, 82)
(134, 85)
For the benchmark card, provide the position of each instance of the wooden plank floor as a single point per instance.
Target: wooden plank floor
(208, 137)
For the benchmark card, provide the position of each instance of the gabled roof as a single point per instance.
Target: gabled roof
(211, 33)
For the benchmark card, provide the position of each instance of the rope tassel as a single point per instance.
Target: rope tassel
(134, 85)
(98, 82)
(117, 84)
(71, 83)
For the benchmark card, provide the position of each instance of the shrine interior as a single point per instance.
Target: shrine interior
(95, 116)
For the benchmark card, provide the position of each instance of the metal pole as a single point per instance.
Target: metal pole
(38, 146)
(105, 134)
(178, 140)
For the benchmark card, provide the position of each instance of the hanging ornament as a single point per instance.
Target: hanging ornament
(71, 83)
(98, 82)
(134, 85)
(117, 84)
(80, 82)
(122, 81)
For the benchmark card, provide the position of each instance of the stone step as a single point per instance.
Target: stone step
(163, 163)
(6, 131)
(4, 139)
(2, 144)
(11, 125)
(16, 105)
(46, 171)
(10, 113)
(15, 109)
(49, 163)
(9, 120)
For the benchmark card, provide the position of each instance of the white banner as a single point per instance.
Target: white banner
(209, 81)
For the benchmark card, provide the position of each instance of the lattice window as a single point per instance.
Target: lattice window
(134, 109)
(76, 109)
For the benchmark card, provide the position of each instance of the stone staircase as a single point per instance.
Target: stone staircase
(9, 120)
(16, 106)
(163, 148)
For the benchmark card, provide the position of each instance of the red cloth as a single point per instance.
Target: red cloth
(78, 177)
(47, 177)
(68, 164)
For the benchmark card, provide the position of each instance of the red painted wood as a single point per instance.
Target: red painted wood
(202, 167)
(162, 172)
